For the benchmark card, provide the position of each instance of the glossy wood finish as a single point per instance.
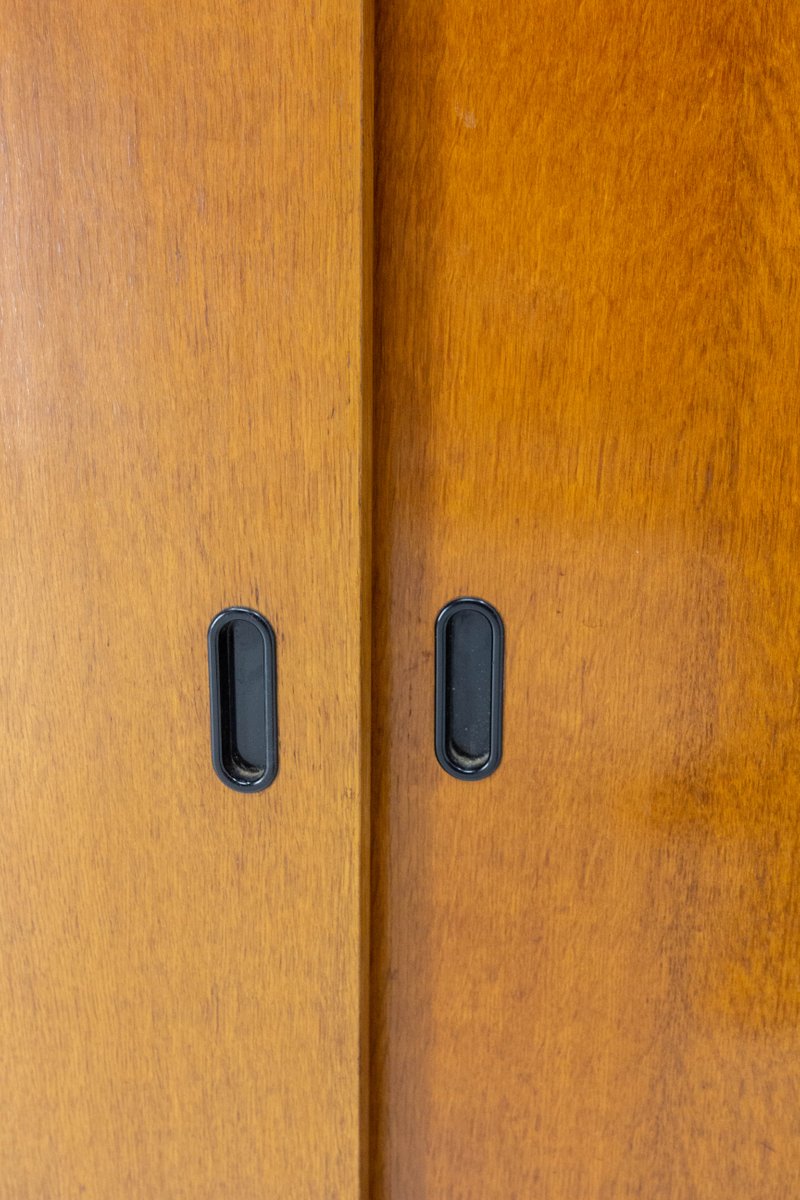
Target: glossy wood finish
(184, 290)
(586, 978)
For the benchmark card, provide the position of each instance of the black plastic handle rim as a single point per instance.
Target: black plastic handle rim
(443, 709)
(243, 777)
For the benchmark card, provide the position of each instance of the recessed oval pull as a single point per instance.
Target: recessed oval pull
(469, 688)
(242, 677)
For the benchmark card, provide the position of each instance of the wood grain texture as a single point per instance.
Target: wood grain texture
(184, 381)
(586, 969)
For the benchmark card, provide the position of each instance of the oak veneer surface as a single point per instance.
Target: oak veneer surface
(183, 402)
(586, 977)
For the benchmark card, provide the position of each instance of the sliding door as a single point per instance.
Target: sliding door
(184, 397)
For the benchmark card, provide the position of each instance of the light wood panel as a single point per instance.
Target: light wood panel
(184, 309)
(586, 969)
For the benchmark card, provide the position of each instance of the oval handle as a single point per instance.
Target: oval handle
(242, 677)
(469, 688)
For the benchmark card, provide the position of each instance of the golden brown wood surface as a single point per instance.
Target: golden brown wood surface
(586, 971)
(183, 381)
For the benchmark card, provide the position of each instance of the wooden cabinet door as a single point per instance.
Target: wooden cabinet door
(184, 399)
(586, 980)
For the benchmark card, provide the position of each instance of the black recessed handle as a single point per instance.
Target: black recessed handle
(469, 688)
(244, 719)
